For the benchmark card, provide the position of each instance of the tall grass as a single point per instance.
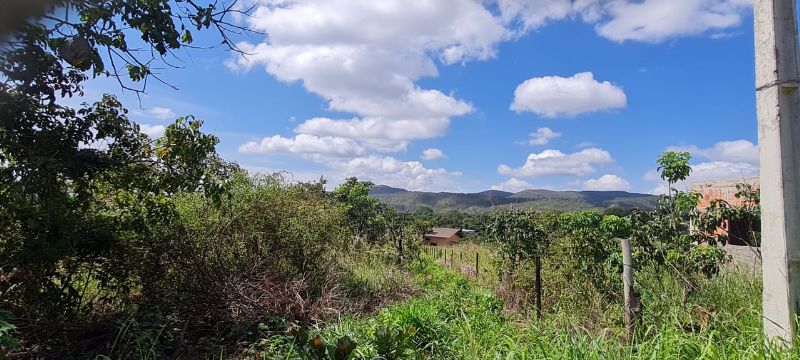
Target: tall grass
(456, 318)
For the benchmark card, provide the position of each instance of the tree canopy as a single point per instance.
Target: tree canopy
(82, 187)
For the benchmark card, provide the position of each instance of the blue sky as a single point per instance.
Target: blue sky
(463, 96)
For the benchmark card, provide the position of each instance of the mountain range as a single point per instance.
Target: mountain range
(406, 200)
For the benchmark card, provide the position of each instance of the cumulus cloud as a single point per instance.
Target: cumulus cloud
(554, 96)
(554, 162)
(383, 170)
(365, 57)
(728, 151)
(377, 133)
(712, 170)
(542, 136)
(631, 20)
(658, 20)
(161, 113)
(433, 154)
(513, 185)
(386, 170)
(726, 160)
(607, 182)
(527, 15)
(153, 131)
(718, 170)
(304, 144)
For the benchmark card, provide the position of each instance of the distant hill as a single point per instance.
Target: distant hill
(541, 199)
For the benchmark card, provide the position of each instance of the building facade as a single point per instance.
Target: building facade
(726, 190)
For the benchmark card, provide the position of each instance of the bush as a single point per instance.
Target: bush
(269, 248)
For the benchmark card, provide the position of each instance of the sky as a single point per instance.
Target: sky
(466, 96)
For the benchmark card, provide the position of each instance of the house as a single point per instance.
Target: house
(726, 190)
(442, 237)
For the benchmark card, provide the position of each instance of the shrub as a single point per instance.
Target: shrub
(270, 248)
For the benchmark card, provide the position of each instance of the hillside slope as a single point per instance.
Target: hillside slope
(541, 199)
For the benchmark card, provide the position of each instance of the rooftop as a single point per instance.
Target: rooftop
(442, 232)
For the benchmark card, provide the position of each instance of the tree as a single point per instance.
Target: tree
(363, 211)
(522, 237)
(673, 167)
(590, 249)
(663, 237)
(403, 233)
(82, 190)
(67, 38)
(58, 218)
(424, 212)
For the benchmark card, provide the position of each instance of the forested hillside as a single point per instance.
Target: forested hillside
(537, 199)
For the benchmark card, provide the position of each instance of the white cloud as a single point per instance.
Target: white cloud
(554, 96)
(727, 151)
(377, 133)
(433, 154)
(364, 57)
(660, 189)
(542, 136)
(304, 144)
(712, 170)
(367, 57)
(652, 175)
(720, 170)
(383, 170)
(635, 20)
(513, 185)
(162, 113)
(153, 131)
(658, 20)
(727, 160)
(528, 15)
(607, 182)
(386, 170)
(553, 162)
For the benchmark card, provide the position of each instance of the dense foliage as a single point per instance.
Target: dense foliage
(84, 195)
(114, 244)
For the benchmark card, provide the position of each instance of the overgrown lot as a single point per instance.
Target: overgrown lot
(456, 319)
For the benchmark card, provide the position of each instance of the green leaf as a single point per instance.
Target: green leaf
(187, 37)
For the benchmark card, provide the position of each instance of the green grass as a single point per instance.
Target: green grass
(455, 318)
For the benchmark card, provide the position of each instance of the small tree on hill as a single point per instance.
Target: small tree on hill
(662, 237)
(363, 211)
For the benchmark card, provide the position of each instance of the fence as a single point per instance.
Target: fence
(472, 263)
(482, 268)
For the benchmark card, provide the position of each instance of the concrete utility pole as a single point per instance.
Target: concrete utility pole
(778, 104)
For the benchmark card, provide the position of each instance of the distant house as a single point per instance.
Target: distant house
(726, 190)
(442, 237)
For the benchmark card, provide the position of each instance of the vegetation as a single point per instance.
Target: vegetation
(456, 319)
(475, 203)
(113, 245)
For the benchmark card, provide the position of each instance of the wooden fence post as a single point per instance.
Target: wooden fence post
(477, 257)
(627, 282)
(538, 286)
